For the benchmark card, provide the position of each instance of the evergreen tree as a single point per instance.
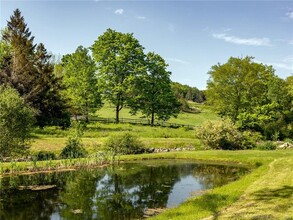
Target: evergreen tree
(27, 68)
(20, 67)
(48, 101)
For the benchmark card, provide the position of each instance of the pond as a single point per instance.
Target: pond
(126, 191)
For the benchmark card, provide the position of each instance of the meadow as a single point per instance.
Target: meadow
(95, 134)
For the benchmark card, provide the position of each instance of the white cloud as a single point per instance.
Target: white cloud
(176, 60)
(243, 41)
(141, 17)
(119, 11)
(286, 64)
(289, 15)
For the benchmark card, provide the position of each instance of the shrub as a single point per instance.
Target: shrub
(220, 135)
(267, 145)
(126, 143)
(74, 147)
(250, 139)
(16, 120)
(45, 155)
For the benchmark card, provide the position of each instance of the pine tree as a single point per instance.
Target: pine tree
(51, 106)
(27, 68)
(21, 68)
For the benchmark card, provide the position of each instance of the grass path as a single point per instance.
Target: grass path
(270, 197)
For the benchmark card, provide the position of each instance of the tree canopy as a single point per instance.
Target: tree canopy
(119, 58)
(154, 96)
(251, 95)
(79, 77)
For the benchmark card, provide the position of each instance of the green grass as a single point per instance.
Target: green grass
(54, 139)
(265, 193)
(195, 119)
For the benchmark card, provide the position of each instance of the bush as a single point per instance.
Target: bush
(45, 155)
(221, 135)
(16, 120)
(268, 145)
(125, 143)
(74, 147)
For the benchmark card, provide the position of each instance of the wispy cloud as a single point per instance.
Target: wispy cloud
(285, 64)
(289, 15)
(119, 11)
(243, 41)
(176, 60)
(141, 17)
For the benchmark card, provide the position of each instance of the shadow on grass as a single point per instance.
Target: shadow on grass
(213, 203)
(269, 194)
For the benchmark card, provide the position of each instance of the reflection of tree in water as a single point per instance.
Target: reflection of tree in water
(126, 195)
(78, 193)
(26, 204)
(216, 175)
(119, 192)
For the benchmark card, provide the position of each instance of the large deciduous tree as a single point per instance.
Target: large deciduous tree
(119, 58)
(79, 77)
(251, 95)
(154, 96)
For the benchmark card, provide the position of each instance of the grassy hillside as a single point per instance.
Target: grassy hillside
(54, 139)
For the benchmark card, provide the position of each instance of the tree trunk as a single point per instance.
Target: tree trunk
(117, 113)
(153, 119)
(86, 112)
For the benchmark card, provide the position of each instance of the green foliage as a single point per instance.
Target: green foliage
(153, 94)
(74, 147)
(16, 120)
(125, 143)
(188, 93)
(27, 67)
(267, 145)
(120, 58)
(251, 95)
(81, 82)
(222, 135)
(45, 155)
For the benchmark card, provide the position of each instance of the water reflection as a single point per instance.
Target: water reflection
(119, 192)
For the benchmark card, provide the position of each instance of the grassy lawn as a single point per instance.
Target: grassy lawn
(54, 139)
(195, 119)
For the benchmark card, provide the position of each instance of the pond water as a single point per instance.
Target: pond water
(114, 192)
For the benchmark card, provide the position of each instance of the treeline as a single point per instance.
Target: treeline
(188, 93)
(118, 71)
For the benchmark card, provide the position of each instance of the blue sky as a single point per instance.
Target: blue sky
(190, 35)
